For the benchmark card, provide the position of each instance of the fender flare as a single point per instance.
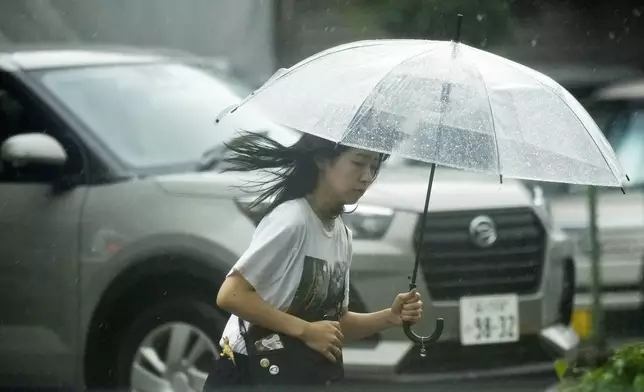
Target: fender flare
(198, 256)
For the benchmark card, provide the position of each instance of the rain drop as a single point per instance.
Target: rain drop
(637, 13)
(480, 17)
(611, 35)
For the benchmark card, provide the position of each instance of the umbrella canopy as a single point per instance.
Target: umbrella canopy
(445, 103)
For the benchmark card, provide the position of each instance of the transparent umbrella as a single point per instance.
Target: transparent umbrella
(444, 103)
(390, 96)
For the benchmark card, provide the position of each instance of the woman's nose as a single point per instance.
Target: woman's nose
(367, 176)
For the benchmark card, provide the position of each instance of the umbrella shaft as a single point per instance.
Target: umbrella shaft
(421, 237)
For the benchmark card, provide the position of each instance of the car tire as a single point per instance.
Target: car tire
(204, 322)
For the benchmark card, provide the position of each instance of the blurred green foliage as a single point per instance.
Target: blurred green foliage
(485, 22)
(622, 372)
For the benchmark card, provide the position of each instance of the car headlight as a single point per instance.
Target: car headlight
(368, 222)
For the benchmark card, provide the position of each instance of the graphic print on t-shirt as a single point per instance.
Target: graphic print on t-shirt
(322, 285)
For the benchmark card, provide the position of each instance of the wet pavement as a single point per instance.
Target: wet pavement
(515, 384)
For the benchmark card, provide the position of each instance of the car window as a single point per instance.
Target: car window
(626, 135)
(18, 115)
(623, 127)
(13, 116)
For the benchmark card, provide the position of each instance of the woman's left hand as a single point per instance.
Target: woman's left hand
(407, 308)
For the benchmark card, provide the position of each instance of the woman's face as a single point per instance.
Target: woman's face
(348, 176)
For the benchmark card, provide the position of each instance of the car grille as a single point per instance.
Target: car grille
(454, 266)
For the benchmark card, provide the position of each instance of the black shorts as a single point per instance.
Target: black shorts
(225, 374)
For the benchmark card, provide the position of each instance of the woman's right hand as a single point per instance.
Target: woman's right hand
(324, 337)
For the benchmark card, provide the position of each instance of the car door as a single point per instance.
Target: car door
(39, 231)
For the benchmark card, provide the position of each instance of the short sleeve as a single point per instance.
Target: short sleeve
(276, 244)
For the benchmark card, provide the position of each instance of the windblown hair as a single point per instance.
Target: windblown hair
(292, 171)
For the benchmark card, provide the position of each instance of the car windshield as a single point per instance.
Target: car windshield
(626, 135)
(150, 115)
(624, 130)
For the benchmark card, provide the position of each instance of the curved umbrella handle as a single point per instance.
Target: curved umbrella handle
(422, 340)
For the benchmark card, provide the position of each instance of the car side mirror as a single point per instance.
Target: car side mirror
(28, 148)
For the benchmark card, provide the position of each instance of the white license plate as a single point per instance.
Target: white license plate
(489, 319)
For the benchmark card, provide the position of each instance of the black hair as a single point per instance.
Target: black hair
(294, 169)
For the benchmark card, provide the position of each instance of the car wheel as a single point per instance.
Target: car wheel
(171, 346)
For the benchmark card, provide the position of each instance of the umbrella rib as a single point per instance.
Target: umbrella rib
(489, 102)
(343, 48)
(577, 117)
(350, 46)
(309, 60)
(355, 116)
(591, 138)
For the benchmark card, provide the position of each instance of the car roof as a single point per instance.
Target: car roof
(632, 90)
(39, 57)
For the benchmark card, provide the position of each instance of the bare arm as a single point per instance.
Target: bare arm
(357, 326)
(407, 307)
(240, 298)
(237, 296)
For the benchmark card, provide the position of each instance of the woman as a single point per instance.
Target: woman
(294, 277)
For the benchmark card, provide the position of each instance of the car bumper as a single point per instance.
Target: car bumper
(521, 370)
(399, 361)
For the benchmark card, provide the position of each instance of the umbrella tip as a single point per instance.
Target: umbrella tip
(623, 191)
(628, 178)
(501, 178)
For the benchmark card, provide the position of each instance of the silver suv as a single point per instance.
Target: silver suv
(619, 110)
(116, 237)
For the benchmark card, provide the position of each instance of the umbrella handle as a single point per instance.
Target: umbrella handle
(422, 340)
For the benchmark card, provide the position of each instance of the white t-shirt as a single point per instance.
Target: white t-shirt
(294, 263)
